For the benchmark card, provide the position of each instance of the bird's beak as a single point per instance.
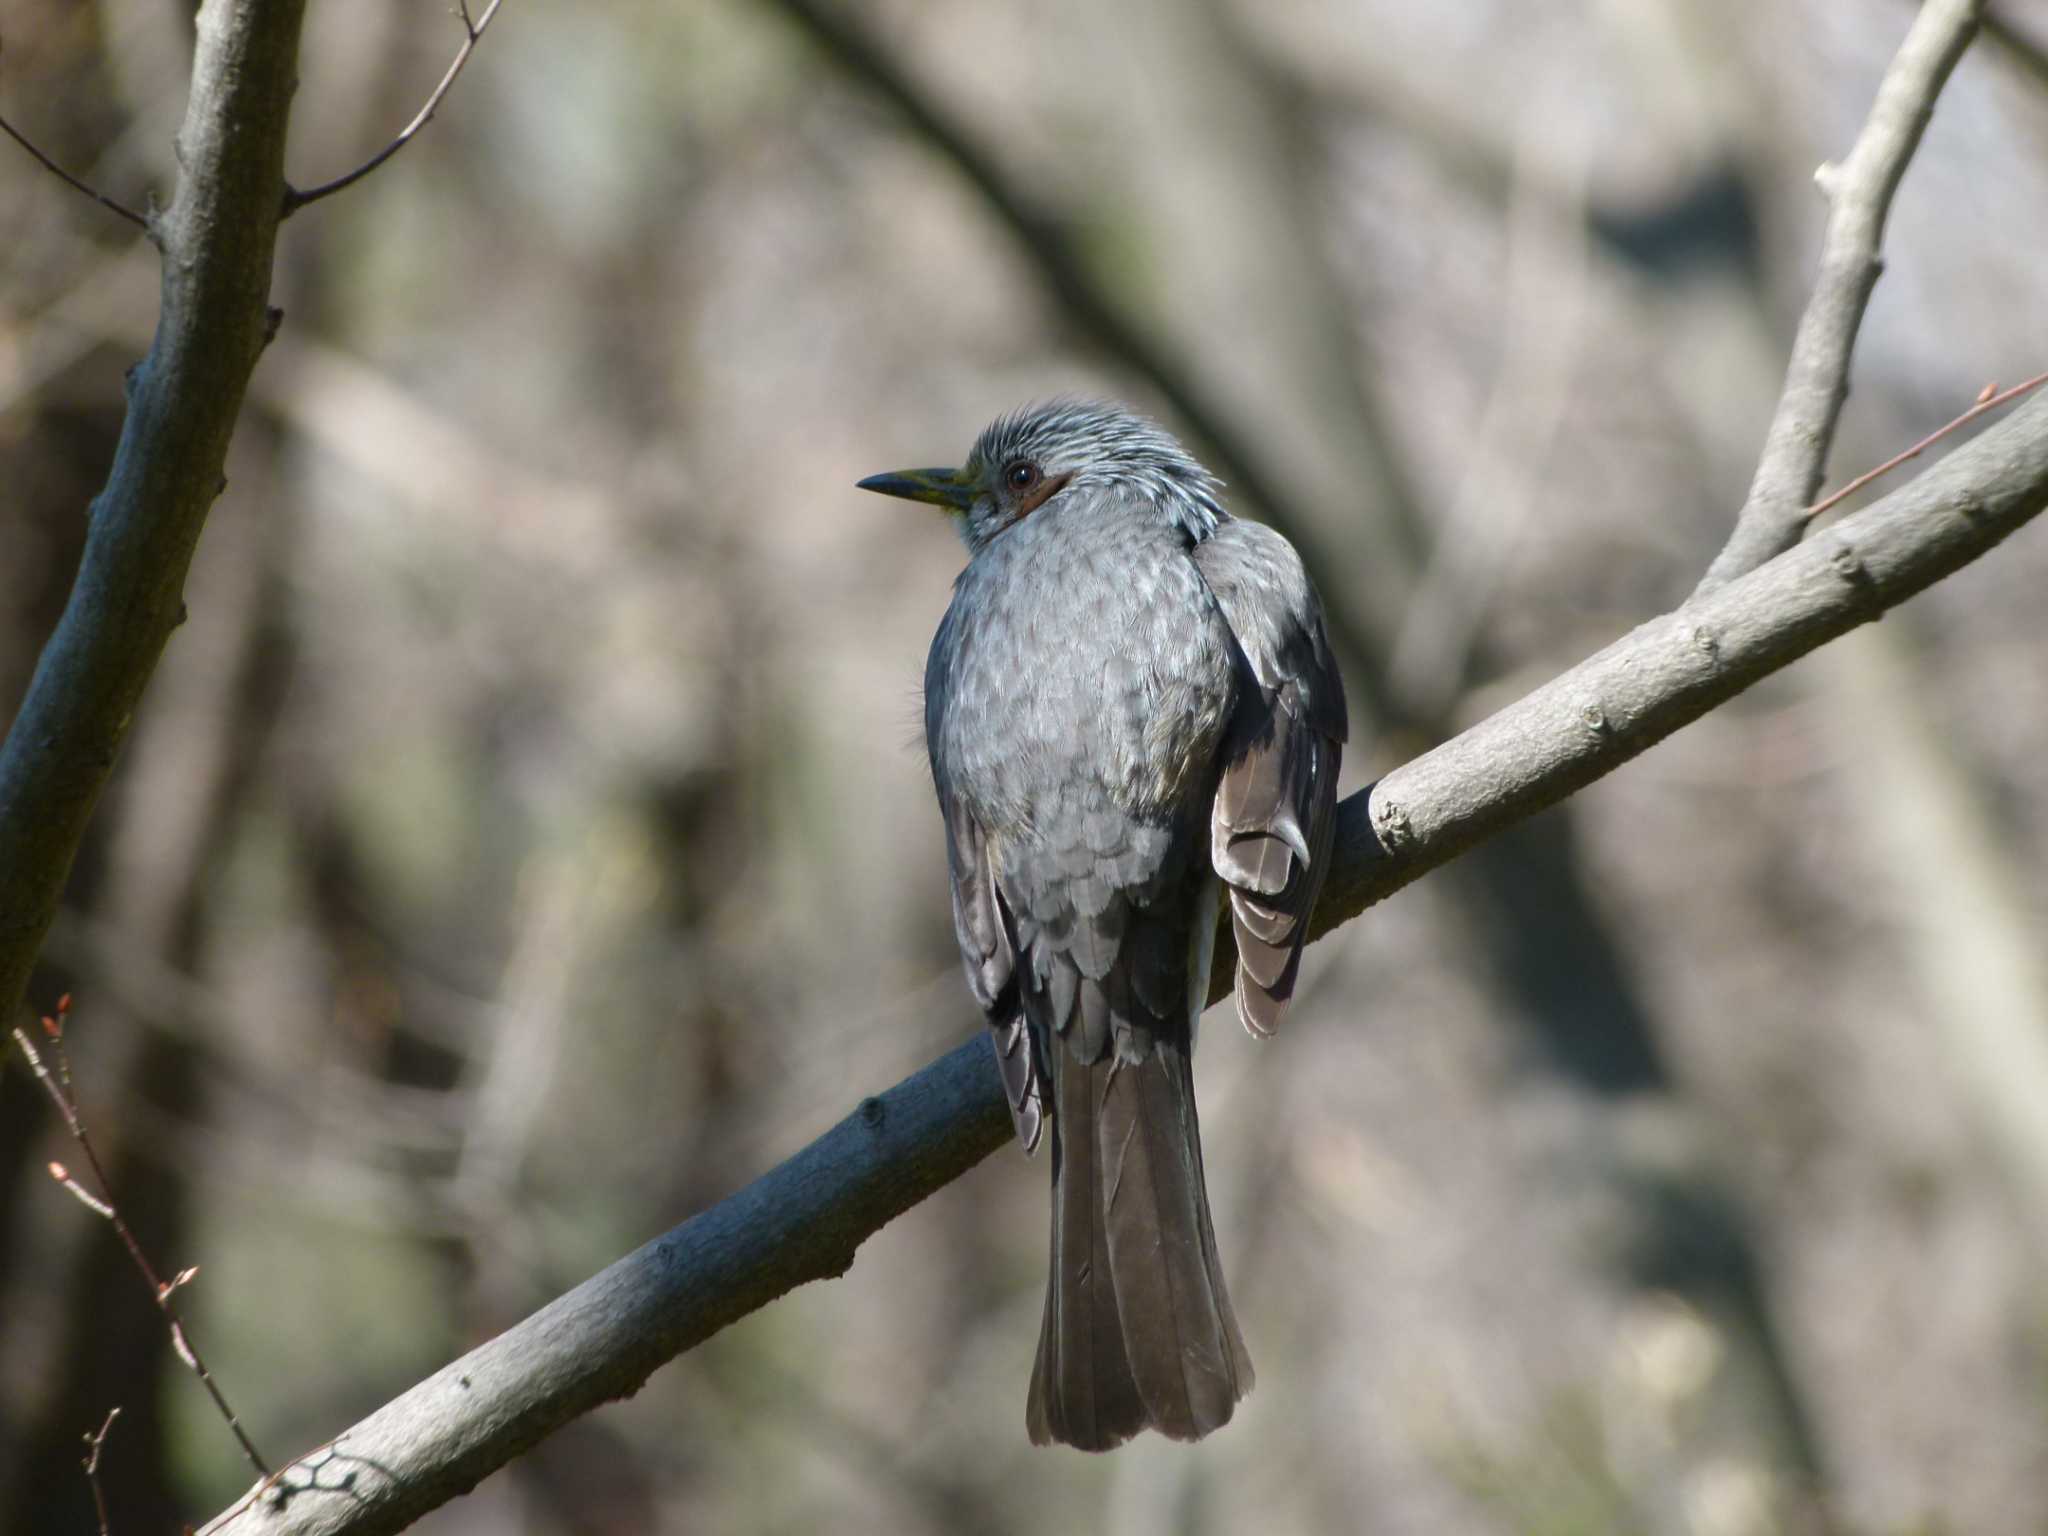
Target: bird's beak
(952, 489)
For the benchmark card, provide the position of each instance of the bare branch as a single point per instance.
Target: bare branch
(70, 180)
(1675, 668)
(1795, 454)
(804, 1220)
(217, 235)
(294, 199)
(94, 1444)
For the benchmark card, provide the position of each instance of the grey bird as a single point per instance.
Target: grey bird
(1132, 711)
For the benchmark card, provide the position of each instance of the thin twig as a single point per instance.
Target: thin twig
(1788, 474)
(85, 1197)
(294, 199)
(103, 1205)
(1990, 400)
(72, 181)
(95, 1443)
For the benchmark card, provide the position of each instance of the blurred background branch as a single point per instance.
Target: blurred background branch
(1100, 318)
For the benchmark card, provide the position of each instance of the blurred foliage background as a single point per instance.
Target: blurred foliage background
(528, 839)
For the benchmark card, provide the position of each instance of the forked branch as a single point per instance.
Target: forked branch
(1795, 456)
(473, 31)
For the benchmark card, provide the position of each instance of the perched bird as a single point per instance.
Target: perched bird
(1131, 709)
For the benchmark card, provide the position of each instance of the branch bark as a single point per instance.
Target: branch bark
(804, 1220)
(1795, 455)
(217, 239)
(1668, 672)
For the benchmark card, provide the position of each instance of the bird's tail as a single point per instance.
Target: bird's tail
(1138, 1330)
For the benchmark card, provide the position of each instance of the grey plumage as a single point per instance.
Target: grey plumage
(1131, 707)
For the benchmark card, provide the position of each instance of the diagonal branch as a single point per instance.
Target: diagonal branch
(804, 1220)
(1674, 669)
(1795, 455)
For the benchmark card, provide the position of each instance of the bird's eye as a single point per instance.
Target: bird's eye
(1021, 476)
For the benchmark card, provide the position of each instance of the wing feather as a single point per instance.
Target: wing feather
(1275, 809)
(988, 953)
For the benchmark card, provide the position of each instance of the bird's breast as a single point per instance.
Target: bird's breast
(1080, 660)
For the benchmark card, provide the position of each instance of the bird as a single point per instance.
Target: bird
(1133, 716)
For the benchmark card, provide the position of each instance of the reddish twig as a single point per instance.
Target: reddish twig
(95, 1443)
(1989, 400)
(56, 1085)
(70, 180)
(294, 199)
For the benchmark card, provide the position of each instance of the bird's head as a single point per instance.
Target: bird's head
(1024, 461)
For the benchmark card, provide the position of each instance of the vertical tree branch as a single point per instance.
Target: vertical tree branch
(217, 239)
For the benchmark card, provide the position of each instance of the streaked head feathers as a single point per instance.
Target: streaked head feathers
(1065, 447)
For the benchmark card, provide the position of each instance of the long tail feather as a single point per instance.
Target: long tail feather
(1139, 1332)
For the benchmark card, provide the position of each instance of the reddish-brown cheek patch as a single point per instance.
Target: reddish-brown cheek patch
(1044, 491)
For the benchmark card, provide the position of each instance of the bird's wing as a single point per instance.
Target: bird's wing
(988, 951)
(1100, 926)
(1275, 807)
